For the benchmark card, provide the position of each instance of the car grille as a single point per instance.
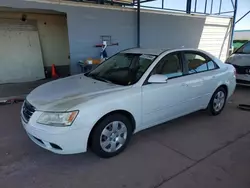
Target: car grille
(242, 69)
(27, 111)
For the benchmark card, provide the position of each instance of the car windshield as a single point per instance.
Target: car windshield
(122, 68)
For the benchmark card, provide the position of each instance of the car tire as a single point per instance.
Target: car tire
(111, 135)
(218, 101)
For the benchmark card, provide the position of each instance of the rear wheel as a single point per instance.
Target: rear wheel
(218, 101)
(111, 135)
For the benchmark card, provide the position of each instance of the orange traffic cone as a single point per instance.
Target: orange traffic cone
(53, 72)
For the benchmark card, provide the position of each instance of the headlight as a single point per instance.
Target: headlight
(57, 119)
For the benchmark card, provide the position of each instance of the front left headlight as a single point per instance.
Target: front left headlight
(57, 119)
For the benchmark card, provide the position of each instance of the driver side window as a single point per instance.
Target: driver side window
(170, 66)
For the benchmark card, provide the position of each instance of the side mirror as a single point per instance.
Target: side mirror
(157, 79)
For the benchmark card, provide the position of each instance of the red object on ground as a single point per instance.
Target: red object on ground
(53, 72)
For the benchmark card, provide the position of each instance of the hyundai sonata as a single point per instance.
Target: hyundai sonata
(131, 91)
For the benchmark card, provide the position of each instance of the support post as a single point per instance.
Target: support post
(223, 13)
(232, 3)
(188, 7)
(205, 9)
(138, 24)
(195, 5)
(220, 7)
(233, 24)
(162, 4)
(211, 9)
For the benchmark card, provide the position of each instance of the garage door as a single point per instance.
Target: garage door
(20, 52)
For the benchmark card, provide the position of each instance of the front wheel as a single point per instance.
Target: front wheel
(218, 101)
(111, 135)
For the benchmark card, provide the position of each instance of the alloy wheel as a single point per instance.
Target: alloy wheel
(113, 136)
(219, 100)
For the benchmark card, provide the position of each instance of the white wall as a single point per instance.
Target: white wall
(174, 31)
(159, 30)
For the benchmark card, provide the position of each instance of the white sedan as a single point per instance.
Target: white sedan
(131, 91)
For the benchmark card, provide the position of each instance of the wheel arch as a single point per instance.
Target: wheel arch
(224, 86)
(122, 112)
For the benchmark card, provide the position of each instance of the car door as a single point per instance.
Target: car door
(201, 78)
(165, 101)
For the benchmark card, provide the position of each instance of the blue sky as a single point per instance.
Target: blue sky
(243, 7)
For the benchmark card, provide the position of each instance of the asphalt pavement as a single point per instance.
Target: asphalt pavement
(194, 151)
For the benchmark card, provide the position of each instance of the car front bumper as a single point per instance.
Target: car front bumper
(61, 140)
(243, 79)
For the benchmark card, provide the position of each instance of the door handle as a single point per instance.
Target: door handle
(184, 84)
(197, 84)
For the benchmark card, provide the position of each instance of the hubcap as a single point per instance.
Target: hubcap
(113, 136)
(219, 101)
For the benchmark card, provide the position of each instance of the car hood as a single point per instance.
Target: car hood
(63, 94)
(239, 59)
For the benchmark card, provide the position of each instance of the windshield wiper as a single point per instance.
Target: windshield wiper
(99, 78)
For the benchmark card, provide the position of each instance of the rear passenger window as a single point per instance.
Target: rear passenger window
(211, 65)
(169, 66)
(198, 63)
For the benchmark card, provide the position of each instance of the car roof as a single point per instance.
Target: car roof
(145, 51)
(158, 52)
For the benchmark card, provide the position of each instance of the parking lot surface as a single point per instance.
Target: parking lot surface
(195, 151)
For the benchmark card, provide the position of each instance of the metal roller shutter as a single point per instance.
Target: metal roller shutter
(20, 52)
